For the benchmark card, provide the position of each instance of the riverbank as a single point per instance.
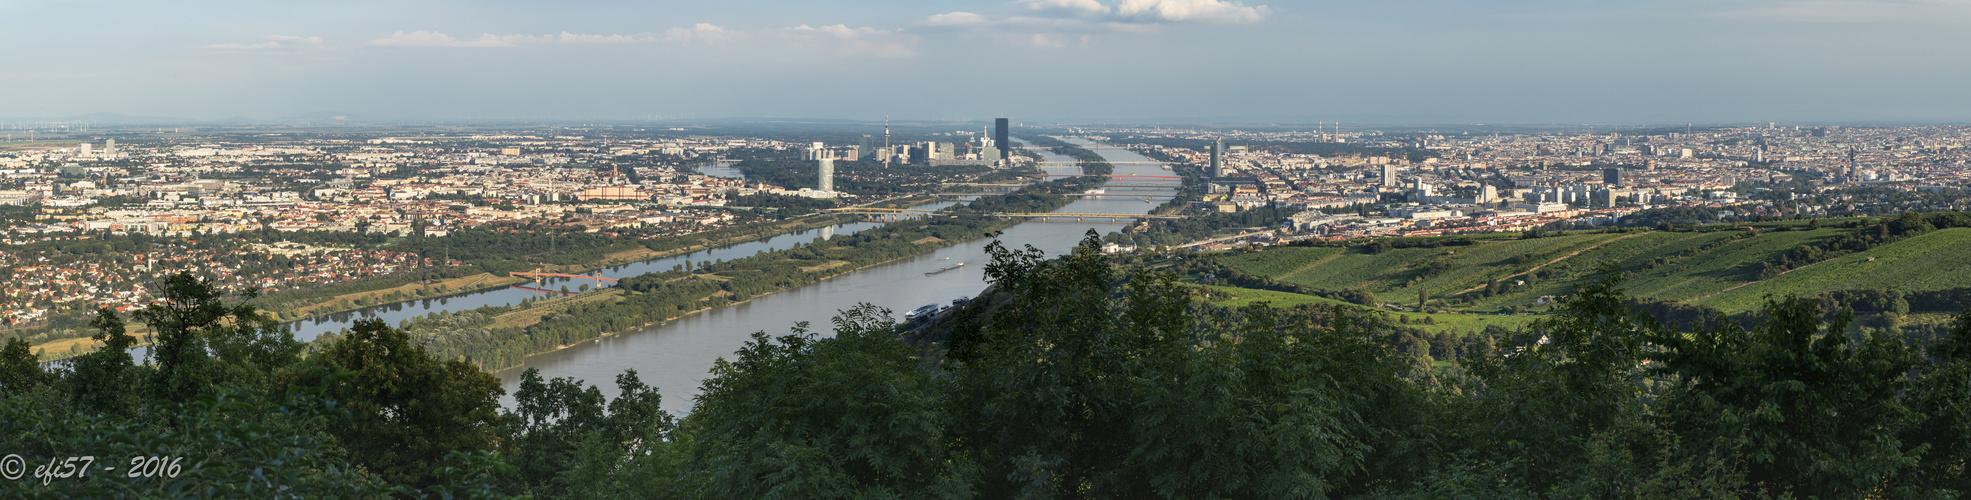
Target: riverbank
(556, 305)
(647, 254)
(355, 301)
(676, 356)
(657, 297)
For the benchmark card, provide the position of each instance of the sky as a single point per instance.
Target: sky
(1077, 61)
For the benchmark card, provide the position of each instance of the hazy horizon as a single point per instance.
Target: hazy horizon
(1525, 62)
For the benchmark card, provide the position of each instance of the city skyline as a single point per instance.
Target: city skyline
(1128, 61)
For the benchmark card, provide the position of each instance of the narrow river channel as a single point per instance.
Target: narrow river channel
(675, 357)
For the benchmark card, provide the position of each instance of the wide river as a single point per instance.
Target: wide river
(308, 328)
(676, 357)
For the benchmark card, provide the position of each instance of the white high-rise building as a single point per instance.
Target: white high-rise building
(83, 150)
(109, 147)
(827, 172)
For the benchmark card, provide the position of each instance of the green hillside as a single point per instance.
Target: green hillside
(1396, 275)
(1719, 268)
(1932, 261)
(1227, 296)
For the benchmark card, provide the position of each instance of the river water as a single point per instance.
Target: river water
(675, 357)
(308, 328)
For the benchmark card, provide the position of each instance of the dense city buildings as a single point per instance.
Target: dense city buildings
(1375, 183)
(1361, 183)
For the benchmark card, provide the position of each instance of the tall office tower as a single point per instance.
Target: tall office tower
(1389, 175)
(865, 150)
(83, 150)
(1217, 151)
(109, 147)
(1611, 176)
(1758, 155)
(1488, 194)
(999, 135)
(827, 174)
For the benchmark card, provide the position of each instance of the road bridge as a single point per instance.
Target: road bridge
(559, 275)
(1084, 195)
(1116, 176)
(1044, 216)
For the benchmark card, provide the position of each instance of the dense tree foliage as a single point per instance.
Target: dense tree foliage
(789, 205)
(230, 409)
(1204, 225)
(405, 407)
(1671, 216)
(1083, 376)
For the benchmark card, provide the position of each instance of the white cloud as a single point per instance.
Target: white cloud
(567, 37)
(436, 39)
(1191, 10)
(273, 42)
(955, 19)
(702, 32)
(855, 42)
(1052, 23)
(1083, 8)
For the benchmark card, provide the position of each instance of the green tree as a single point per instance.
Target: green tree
(1560, 389)
(20, 369)
(100, 381)
(801, 416)
(1793, 398)
(407, 409)
(195, 330)
(1938, 394)
(568, 443)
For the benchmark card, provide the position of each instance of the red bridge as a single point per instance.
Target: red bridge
(564, 276)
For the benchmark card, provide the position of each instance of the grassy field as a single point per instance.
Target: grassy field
(1396, 275)
(1721, 268)
(1437, 322)
(1283, 263)
(1240, 297)
(1925, 262)
(1714, 268)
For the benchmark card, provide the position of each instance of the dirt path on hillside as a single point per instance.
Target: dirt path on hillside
(1776, 276)
(1544, 265)
(1312, 265)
